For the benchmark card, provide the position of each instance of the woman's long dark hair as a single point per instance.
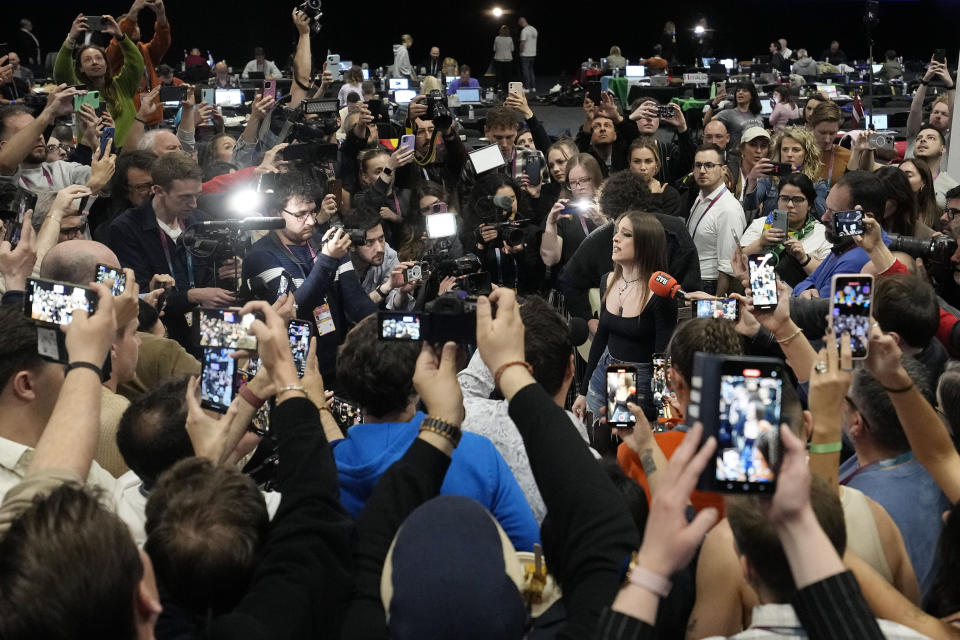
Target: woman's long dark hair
(803, 183)
(896, 186)
(755, 107)
(414, 225)
(649, 248)
(927, 208)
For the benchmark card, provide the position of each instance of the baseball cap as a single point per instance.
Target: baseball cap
(752, 133)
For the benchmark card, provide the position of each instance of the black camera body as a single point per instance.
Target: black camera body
(450, 317)
(438, 111)
(313, 10)
(938, 249)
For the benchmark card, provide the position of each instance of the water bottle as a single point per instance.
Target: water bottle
(183, 65)
(470, 113)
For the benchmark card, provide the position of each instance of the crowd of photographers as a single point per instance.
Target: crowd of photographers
(414, 441)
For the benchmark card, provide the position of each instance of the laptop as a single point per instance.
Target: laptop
(876, 67)
(708, 61)
(366, 74)
(765, 107)
(829, 90)
(636, 71)
(450, 79)
(469, 95)
(399, 83)
(880, 121)
(404, 96)
(729, 63)
(229, 97)
(256, 75)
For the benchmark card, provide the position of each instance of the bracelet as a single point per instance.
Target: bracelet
(252, 399)
(292, 387)
(827, 447)
(84, 365)
(807, 261)
(904, 390)
(648, 580)
(442, 428)
(496, 376)
(381, 293)
(790, 337)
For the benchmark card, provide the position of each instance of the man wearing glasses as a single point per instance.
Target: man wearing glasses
(716, 221)
(950, 225)
(313, 255)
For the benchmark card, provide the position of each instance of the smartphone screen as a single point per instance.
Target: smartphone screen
(299, 333)
(218, 379)
(441, 225)
(224, 329)
(748, 434)
(413, 274)
(763, 280)
(621, 389)
(399, 326)
(54, 302)
(726, 308)
(119, 278)
(848, 223)
(850, 309)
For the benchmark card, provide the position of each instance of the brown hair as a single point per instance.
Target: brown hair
(927, 206)
(589, 164)
(354, 76)
(826, 112)
(502, 118)
(710, 335)
(646, 142)
(649, 248)
(108, 92)
(176, 165)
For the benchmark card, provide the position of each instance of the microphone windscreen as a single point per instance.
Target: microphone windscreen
(663, 284)
(503, 201)
(579, 332)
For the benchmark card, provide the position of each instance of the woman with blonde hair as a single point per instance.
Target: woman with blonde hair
(798, 148)
(428, 84)
(615, 59)
(450, 67)
(634, 323)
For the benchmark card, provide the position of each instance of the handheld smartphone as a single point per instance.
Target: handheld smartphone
(515, 88)
(13, 210)
(779, 220)
(533, 166)
(621, 389)
(105, 136)
(299, 333)
(91, 98)
(335, 187)
(219, 379)
(739, 403)
(50, 302)
(173, 94)
(286, 284)
(375, 106)
(940, 55)
(850, 297)
(223, 328)
(397, 325)
(119, 278)
(270, 89)
(763, 280)
(721, 87)
(333, 66)
(442, 224)
(780, 169)
(665, 111)
(96, 23)
(408, 141)
(848, 223)
(209, 96)
(726, 308)
(413, 274)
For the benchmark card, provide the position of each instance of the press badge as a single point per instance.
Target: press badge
(323, 319)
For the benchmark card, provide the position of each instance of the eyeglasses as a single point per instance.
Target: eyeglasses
(582, 182)
(54, 147)
(796, 200)
(300, 215)
(74, 231)
(706, 166)
(141, 188)
(951, 213)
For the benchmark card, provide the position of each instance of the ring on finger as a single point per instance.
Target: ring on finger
(820, 366)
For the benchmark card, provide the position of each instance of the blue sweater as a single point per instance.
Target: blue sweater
(477, 470)
(851, 261)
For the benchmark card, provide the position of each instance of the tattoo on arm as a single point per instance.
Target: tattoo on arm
(647, 462)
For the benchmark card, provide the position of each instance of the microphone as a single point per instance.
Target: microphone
(253, 223)
(666, 286)
(502, 201)
(578, 330)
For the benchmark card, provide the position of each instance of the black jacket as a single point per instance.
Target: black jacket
(592, 260)
(627, 132)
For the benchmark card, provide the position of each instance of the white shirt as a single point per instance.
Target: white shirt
(49, 175)
(268, 68)
(174, 231)
(714, 221)
(15, 459)
(503, 48)
(132, 505)
(528, 36)
(814, 243)
(780, 621)
(942, 184)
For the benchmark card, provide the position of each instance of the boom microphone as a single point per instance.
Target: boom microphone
(503, 201)
(666, 286)
(579, 332)
(253, 223)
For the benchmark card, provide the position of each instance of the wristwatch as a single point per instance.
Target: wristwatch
(381, 293)
(442, 428)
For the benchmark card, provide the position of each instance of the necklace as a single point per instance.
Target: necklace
(626, 283)
(623, 290)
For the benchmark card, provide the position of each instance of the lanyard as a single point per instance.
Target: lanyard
(881, 464)
(833, 155)
(166, 253)
(28, 183)
(583, 223)
(706, 211)
(296, 261)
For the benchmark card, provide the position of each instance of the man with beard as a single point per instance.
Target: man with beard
(931, 147)
(377, 265)
(853, 190)
(949, 286)
(606, 134)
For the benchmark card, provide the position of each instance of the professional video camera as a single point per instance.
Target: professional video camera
(312, 9)
(938, 249)
(438, 111)
(493, 211)
(222, 239)
(312, 121)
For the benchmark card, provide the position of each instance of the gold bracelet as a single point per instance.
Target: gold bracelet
(292, 387)
(790, 337)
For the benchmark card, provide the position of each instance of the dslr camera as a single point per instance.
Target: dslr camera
(358, 237)
(438, 111)
(313, 11)
(450, 317)
(938, 249)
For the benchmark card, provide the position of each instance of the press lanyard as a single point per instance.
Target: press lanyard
(706, 211)
(583, 223)
(28, 183)
(882, 464)
(833, 155)
(296, 261)
(166, 252)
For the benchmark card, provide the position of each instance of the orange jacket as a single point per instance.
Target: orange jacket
(152, 53)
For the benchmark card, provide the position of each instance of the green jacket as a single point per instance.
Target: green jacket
(125, 84)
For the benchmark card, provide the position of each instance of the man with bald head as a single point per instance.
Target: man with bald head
(159, 141)
(221, 78)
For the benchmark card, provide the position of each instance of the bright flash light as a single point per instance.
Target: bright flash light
(497, 12)
(245, 201)
(699, 30)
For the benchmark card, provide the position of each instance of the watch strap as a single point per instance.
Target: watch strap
(442, 428)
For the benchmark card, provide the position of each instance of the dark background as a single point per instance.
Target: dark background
(569, 33)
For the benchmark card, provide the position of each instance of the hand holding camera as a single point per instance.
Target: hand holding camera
(773, 236)
(16, 264)
(763, 168)
(301, 21)
(608, 107)
(273, 343)
(78, 27)
(557, 212)
(59, 102)
(110, 26)
(335, 241)
(417, 108)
